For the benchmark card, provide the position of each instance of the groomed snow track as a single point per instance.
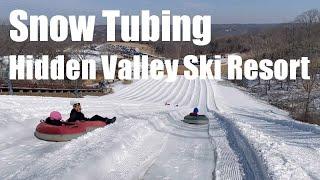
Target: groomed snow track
(149, 141)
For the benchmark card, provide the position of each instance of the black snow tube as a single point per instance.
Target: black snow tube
(200, 119)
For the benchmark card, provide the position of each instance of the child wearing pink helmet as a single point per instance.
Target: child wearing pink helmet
(55, 119)
(55, 116)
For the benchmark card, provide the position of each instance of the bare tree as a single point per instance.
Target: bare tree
(309, 17)
(309, 86)
(80, 53)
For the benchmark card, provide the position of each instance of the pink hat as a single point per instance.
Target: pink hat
(55, 115)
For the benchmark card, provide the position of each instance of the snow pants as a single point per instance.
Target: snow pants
(99, 118)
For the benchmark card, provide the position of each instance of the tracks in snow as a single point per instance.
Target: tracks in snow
(149, 141)
(232, 158)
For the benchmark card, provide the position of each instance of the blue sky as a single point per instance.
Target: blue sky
(222, 11)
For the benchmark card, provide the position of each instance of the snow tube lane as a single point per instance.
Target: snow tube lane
(195, 95)
(134, 89)
(130, 88)
(150, 91)
(184, 101)
(175, 91)
(188, 153)
(167, 91)
(182, 92)
(202, 102)
(157, 92)
(145, 89)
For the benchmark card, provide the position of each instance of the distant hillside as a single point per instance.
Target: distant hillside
(222, 30)
(218, 30)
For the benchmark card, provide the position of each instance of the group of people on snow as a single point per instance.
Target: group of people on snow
(55, 117)
(168, 104)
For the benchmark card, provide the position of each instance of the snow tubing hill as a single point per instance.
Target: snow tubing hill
(200, 119)
(63, 133)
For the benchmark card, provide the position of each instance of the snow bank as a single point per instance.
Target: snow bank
(288, 149)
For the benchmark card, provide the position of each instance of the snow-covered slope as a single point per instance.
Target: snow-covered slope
(245, 138)
(287, 148)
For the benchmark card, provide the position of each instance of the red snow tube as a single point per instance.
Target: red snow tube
(62, 133)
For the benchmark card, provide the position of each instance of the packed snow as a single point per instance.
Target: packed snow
(245, 138)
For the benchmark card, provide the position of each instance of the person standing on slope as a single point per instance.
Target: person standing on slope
(76, 115)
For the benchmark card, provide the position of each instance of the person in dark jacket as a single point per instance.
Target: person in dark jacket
(195, 112)
(77, 115)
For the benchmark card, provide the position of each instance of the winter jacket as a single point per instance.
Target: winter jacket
(75, 116)
(53, 122)
(193, 114)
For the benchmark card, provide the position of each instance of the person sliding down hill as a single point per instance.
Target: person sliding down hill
(195, 112)
(76, 115)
